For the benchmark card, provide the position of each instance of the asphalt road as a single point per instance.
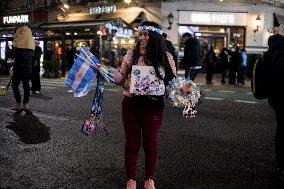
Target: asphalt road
(228, 145)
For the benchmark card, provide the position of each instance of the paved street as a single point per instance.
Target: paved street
(229, 145)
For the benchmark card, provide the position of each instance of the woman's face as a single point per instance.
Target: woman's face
(143, 38)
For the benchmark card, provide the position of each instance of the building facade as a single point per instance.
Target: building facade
(221, 24)
(106, 27)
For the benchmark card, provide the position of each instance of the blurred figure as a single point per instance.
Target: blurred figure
(22, 51)
(60, 58)
(224, 63)
(210, 64)
(36, 87)
(275, 57)
(235, 61)
(170, 48)
(192, 58)
(242, 67)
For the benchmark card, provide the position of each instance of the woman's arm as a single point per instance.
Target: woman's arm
(120, 75)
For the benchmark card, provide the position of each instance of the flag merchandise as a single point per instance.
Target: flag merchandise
(81, 76)
(95, 120)
(84, 71)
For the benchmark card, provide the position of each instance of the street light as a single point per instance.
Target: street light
(257, 23)
(127, 1)
(170, 20)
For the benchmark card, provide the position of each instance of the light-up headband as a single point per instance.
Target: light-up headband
(152, 28)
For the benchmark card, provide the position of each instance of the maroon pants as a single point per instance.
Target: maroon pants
(141, 116)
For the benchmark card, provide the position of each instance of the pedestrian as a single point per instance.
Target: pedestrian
(275, 57)
(210, 64)
(22, 51)
(242, 67)
(35, 80)
(234, 64)
(192, 58)
(142, 114)
(170, 48)
(224, 62)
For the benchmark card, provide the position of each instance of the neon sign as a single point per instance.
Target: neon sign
(16, 19)
(102, 9)
(211, 18)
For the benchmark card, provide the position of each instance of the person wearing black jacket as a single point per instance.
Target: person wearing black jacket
(234, 64)
(22, 52)
(275, 58)
(36, 87)
(210, 64)
(223, 65)
(192, 59)
(170, 48)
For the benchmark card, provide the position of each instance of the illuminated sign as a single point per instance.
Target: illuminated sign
(102, 9)
(119, 31)
(212, 18)
(16, 19)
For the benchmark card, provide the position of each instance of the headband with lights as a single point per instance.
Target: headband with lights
(151, 28)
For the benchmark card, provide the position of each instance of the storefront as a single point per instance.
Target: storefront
(108, 29)
(217, 29)
(221, 24)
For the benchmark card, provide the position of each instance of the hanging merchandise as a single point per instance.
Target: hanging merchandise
(81, 80)
(184, 93)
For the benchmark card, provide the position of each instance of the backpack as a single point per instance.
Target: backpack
(260, 79)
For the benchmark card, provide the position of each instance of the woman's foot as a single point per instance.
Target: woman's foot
(19, 106)
(131, 184)
(149, 184)
(25, 106)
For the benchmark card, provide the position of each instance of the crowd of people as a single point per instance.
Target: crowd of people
(232, 64)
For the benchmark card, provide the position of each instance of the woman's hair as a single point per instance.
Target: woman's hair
(156, 54)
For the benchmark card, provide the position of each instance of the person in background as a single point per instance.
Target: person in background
(242, 67)
(192, 59)
(234, 64)
(23, 52)
(36, 87)
(170, 48)
(224, 62)
(142, 115)
(210, 64)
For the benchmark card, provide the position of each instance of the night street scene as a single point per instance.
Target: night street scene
(141, 94)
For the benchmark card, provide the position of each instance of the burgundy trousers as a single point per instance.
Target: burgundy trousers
(142, 119)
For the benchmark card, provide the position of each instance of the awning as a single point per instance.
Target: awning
(72, 25)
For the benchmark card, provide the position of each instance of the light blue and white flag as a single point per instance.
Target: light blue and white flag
(82, 74)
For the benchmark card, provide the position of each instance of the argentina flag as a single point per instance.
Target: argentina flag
(83, 73)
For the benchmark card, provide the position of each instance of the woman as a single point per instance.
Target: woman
(144, 113)
(22, 51)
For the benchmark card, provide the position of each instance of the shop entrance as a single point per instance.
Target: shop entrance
(217, 40)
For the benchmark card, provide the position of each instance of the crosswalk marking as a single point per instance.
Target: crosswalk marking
(213, 98)
(246, 101)
(226, 91)
(207, 90)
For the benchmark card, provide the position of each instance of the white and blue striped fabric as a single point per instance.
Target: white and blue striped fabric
(82, 74)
